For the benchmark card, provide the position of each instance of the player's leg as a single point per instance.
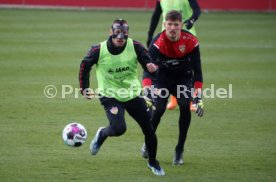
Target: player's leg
(184, 122)
(160, 107)
(137, 109)
(160, 102)
(115, 113)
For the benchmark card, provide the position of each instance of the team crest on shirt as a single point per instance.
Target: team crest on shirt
(114, 110)
(182, 48)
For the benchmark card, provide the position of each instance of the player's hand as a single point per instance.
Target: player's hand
(149, 103)
(148, 98)
(152, 67)
(87, 93)
(199, 106)
(197, 103)
(149, 40)
(189, 23)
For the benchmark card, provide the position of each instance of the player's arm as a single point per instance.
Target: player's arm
(196, 66)
(196, 9)
(88, 61)
(148, 76)
(155, 54)
(198, 80)
(144, 57)
(196, 13)
(145, 61)
(154, 21)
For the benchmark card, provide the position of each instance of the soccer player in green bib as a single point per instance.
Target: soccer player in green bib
(119, 88)
(190, 11)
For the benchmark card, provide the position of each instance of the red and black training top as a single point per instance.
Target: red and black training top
(177, 59)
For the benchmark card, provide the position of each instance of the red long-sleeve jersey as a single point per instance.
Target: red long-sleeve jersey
(177, 59)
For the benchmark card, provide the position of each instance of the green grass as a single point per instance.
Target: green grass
(234, 141)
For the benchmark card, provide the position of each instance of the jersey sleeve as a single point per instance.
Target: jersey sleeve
(88, 61)
(196, 67)
(196, 10)
(155, 18)
(142, 54)
(155, 53)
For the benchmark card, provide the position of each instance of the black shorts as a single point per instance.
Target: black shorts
(136, 108)
(180, 88)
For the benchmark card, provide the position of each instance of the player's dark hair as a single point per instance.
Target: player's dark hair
(121, 22)
(174, 15)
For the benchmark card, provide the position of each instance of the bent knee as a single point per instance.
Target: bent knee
(118, 131)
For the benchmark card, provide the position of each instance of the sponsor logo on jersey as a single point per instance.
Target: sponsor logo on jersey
(117, 70)
(122, 69)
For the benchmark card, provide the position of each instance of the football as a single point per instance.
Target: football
(74, 134)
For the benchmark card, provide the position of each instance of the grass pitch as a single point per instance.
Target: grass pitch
(234, 141)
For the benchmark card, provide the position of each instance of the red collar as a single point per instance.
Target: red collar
(178, 49)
